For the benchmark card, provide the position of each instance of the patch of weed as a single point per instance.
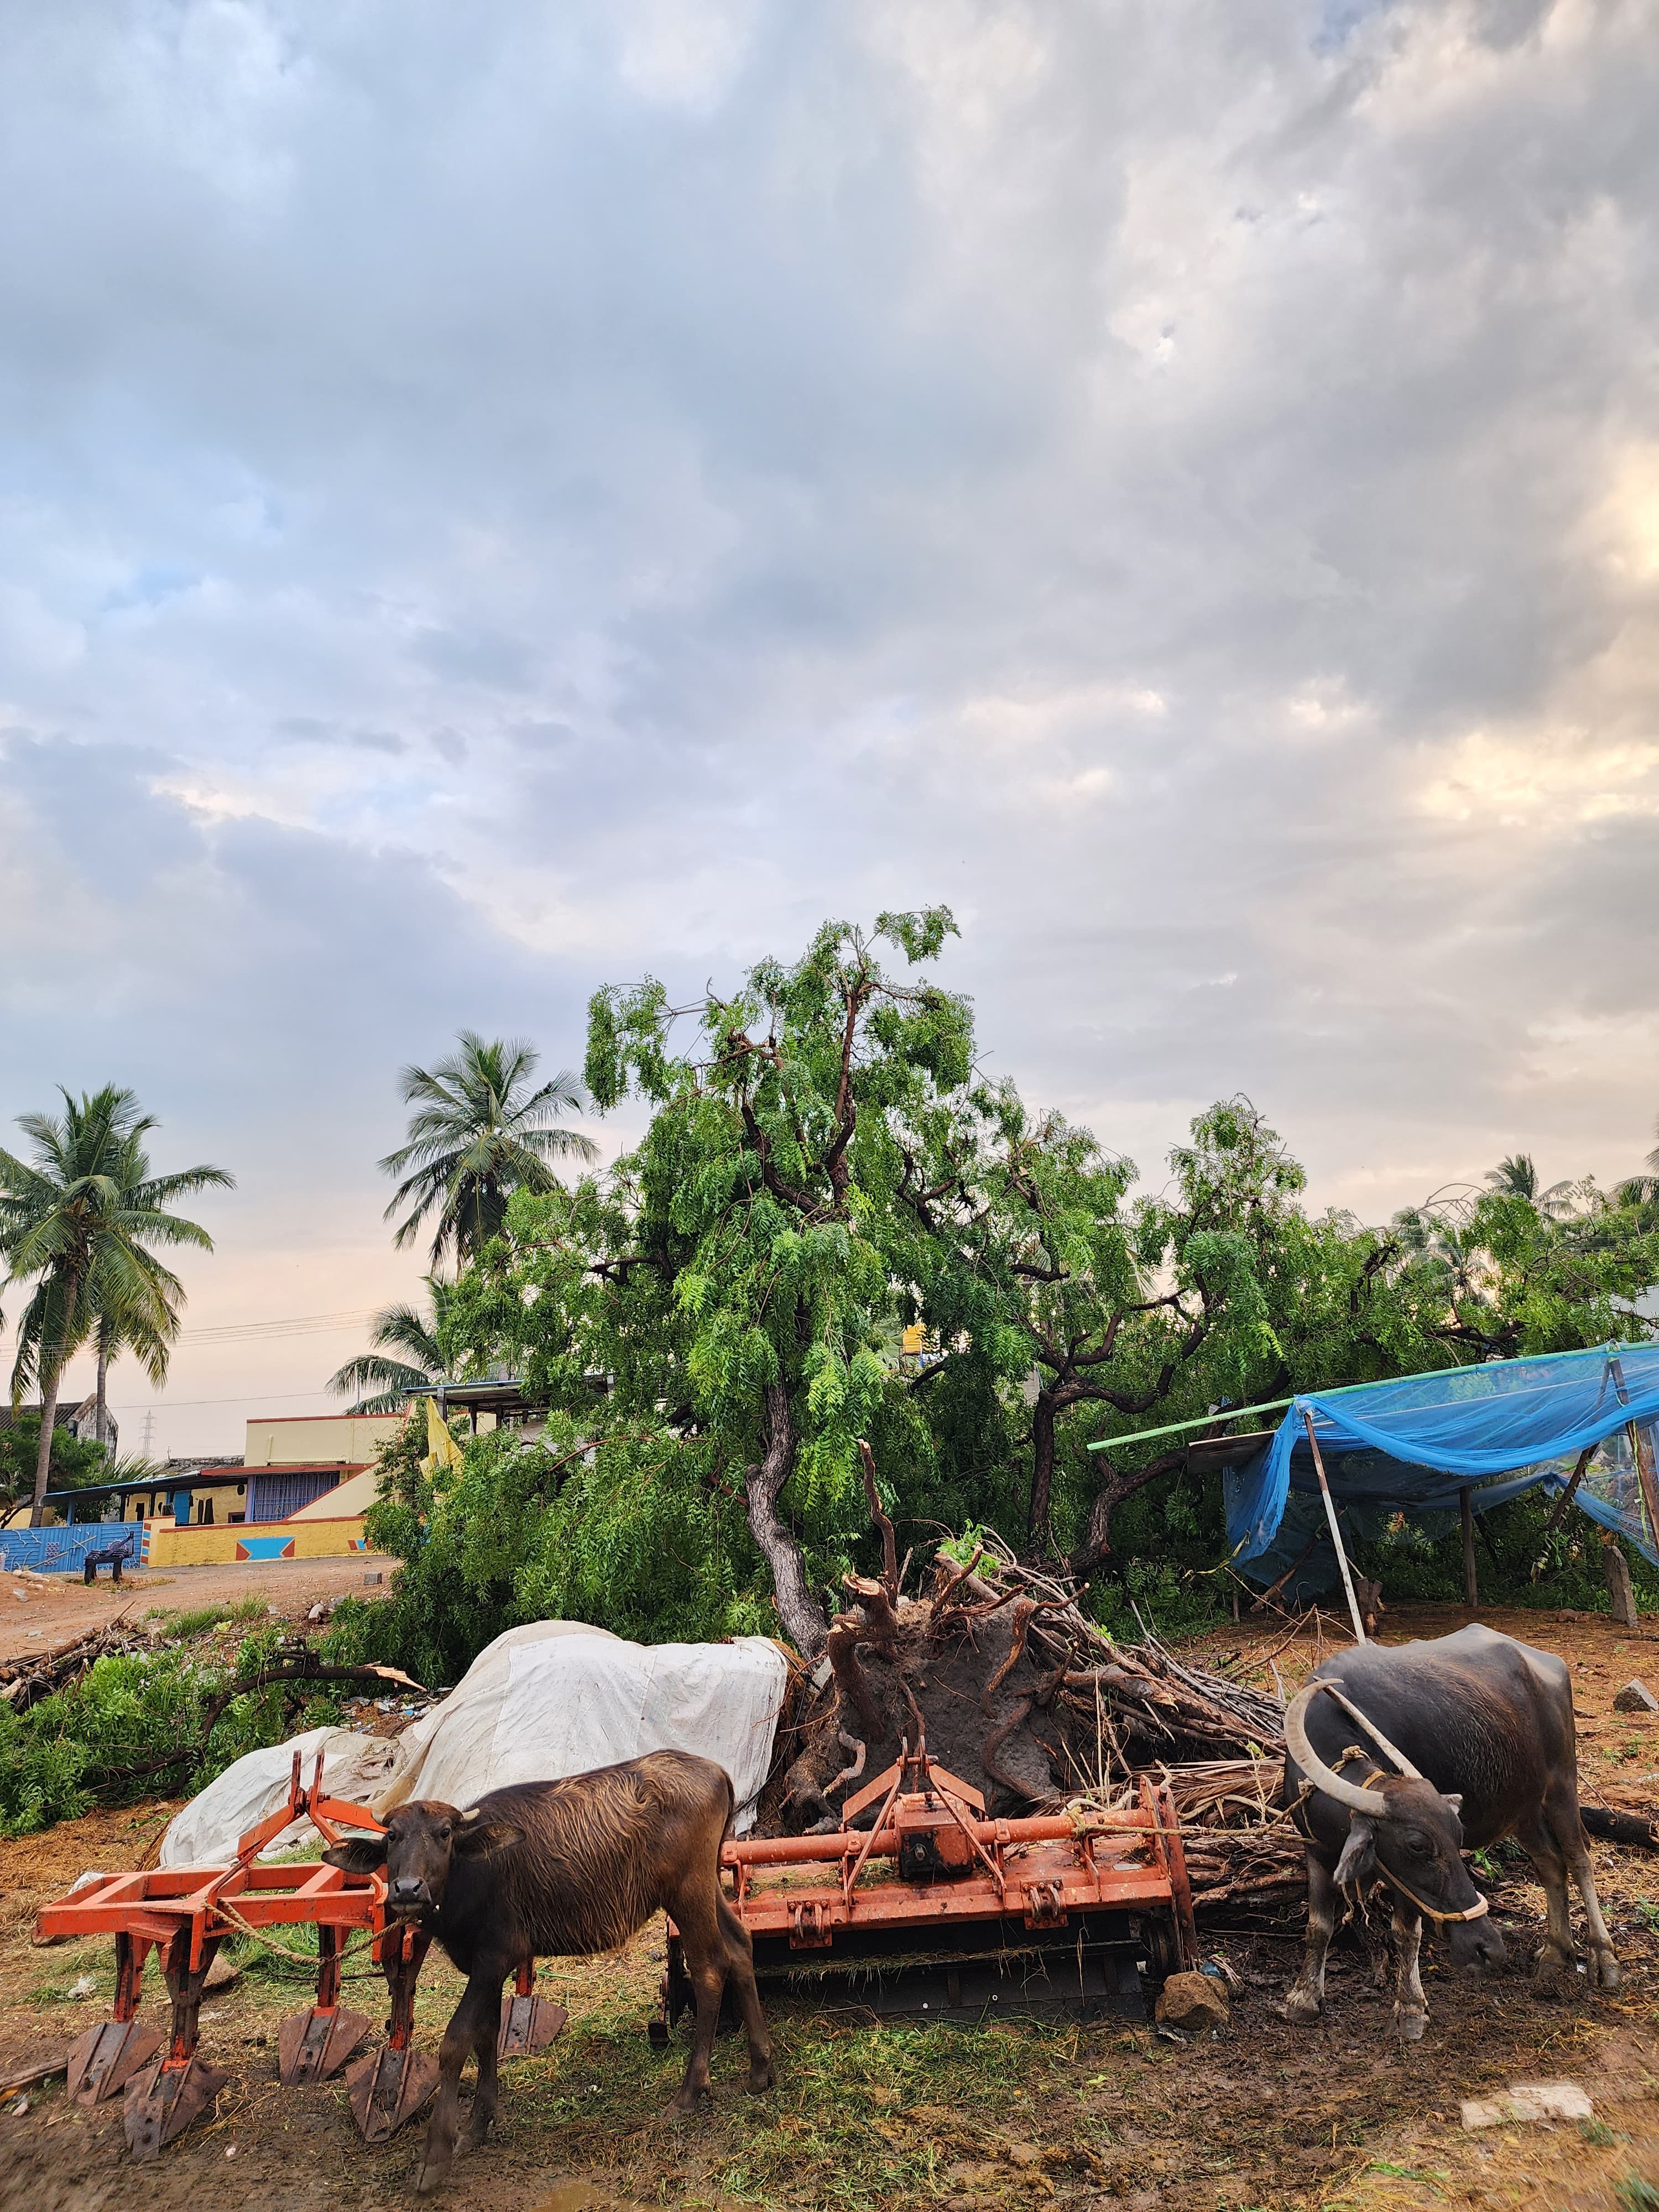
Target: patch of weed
(1600, 2134)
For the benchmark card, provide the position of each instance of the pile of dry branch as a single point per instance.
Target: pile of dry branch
(32, 1675)
(1020, 1695)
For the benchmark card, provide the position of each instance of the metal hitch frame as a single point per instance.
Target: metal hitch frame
(185, 1913)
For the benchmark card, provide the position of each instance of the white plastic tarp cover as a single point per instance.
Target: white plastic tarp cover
(536, 1705)
(551, 1699)
(206, 1833)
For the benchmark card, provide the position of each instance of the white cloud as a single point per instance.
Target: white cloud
(541, 497)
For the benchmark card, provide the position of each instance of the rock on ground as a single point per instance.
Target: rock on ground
(1194, 2002)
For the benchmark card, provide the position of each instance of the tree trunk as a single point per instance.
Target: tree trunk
(803, 1617)
(1044, 1414)
(43, 1458)
(1097, 1543)
(103, 1391)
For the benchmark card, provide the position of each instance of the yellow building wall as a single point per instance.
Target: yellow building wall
(224, 1546)
(354, 1495)
(308, 1439)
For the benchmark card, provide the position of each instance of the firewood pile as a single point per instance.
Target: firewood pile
(32, 1675)
(1024, 1697)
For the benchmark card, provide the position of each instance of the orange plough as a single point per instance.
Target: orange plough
(185, 1913)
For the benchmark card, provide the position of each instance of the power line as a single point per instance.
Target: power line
(243, 1332)
(240, 1398)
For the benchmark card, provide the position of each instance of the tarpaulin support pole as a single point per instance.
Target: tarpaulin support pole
(1561, 1505)
(1471, 1582)
(1642, 1451)
(1336, 1533)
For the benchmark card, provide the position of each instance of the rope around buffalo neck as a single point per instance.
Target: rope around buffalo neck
(1482, 1906)
(1478, 1911)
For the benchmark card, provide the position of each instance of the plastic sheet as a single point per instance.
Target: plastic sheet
(1397, 1453)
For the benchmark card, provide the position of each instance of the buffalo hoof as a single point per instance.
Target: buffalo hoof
(1301, 2010)
(761, 2078)
(693, 2100)
(430, 2177)
(1552, 1975)
(1409, 2025)
(474, 2136)
(1604, 1971)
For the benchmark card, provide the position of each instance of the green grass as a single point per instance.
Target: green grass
(864, 2116)
(90, 1961)
(1598, 2134)
(200, 1619)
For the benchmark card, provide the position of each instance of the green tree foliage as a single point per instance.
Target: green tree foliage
(833, 1226)
(478, 1133)
(1153, 1308)
(130, 1724)
(138, 1312)
(75, 1461)
(619, 1528)
(1504, 1275)
(733, 1281)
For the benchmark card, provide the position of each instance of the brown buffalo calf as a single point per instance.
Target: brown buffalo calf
(555, 1869)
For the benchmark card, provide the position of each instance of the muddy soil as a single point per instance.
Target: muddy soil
(54, 1607)
(1267, 2117)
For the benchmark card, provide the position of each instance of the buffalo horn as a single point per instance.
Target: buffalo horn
(1370, 1801)
(1392, 1750)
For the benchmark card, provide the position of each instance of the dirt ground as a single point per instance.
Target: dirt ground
(1267, 2118)
(54, 1607)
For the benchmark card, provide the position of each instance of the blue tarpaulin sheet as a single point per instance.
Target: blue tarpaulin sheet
(1397, 1453)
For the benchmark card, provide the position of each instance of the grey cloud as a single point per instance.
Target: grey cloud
(1102, 466)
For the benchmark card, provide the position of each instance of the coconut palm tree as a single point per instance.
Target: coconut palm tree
(399, 1328)
(80, 1218)
(1642, 1189)
(118, 1326)
(1518, 1177)
(478, 1133)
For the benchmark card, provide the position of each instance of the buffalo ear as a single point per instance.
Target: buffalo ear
(1455, 1799)
(476, 1834)
(1358, 1861)
(362, 1854)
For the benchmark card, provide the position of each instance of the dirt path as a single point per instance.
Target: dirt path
(53, 1607)
(1272, 2119)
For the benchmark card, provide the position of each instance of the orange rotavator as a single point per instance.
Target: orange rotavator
(934, 1909)
(930, 1908)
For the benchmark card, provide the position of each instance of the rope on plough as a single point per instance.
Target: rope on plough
(226, 1911)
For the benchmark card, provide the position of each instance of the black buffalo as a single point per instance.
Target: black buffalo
(559, 1869)
(1470, 1739)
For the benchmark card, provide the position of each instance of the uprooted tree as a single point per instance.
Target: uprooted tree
(833, 1226)
(822, 1170)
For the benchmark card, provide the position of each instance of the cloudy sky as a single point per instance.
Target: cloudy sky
(498, 499)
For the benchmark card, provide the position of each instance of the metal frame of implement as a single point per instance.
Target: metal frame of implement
(932, 1875)
(185, 1914)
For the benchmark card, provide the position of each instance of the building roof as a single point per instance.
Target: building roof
(498, 1394)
